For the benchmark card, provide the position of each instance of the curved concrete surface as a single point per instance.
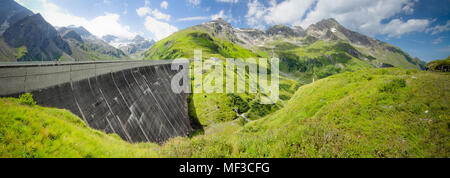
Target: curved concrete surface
(133, 99)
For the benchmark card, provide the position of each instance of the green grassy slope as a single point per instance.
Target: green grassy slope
(9, 54)
(368, 113)
(317, 60)
(34, 131)
(184, 42)
(392, 55)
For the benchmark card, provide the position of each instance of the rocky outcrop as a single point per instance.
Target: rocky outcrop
(10, 13)
(285, 31)
(81, 31)
(70, 34)
(330, 29)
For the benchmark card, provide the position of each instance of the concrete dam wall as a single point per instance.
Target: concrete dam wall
(133, 99)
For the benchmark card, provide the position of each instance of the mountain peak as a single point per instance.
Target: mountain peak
(222, 22)
(38, 15)
(327, 24)
(331, 29)
(330, 20)
(109, 38)
(138, 39)
(71, 34)
(80, 30)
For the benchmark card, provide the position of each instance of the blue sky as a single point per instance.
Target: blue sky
(420, 27)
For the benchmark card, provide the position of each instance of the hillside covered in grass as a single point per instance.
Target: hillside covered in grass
(182, 44)
(30, 131)
(368, 113)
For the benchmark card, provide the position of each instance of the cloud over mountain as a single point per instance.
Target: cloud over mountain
(109, 23)
(374, 17)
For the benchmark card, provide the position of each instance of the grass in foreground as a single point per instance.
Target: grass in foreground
(371, 113)
(31, 131)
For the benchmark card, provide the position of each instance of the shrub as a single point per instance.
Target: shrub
(261, 109)
(27, 99)
(394, 85)
(240, 104)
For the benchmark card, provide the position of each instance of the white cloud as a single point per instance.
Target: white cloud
(255, 14)
(397, 28)
(193, 18)
(439, 28)
(366, 16)
(20, 2)
(160, 16)
(228, 1)
(159, 29)
(107, 24)
(221, 14)
(226, 16)
(287, 12)
(194, 2)
(143, 11)
(164, 4)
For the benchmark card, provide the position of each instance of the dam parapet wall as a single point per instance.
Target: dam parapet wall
(133, 99)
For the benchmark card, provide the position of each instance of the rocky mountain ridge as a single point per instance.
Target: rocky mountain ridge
(10, 13)
(377, 52)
